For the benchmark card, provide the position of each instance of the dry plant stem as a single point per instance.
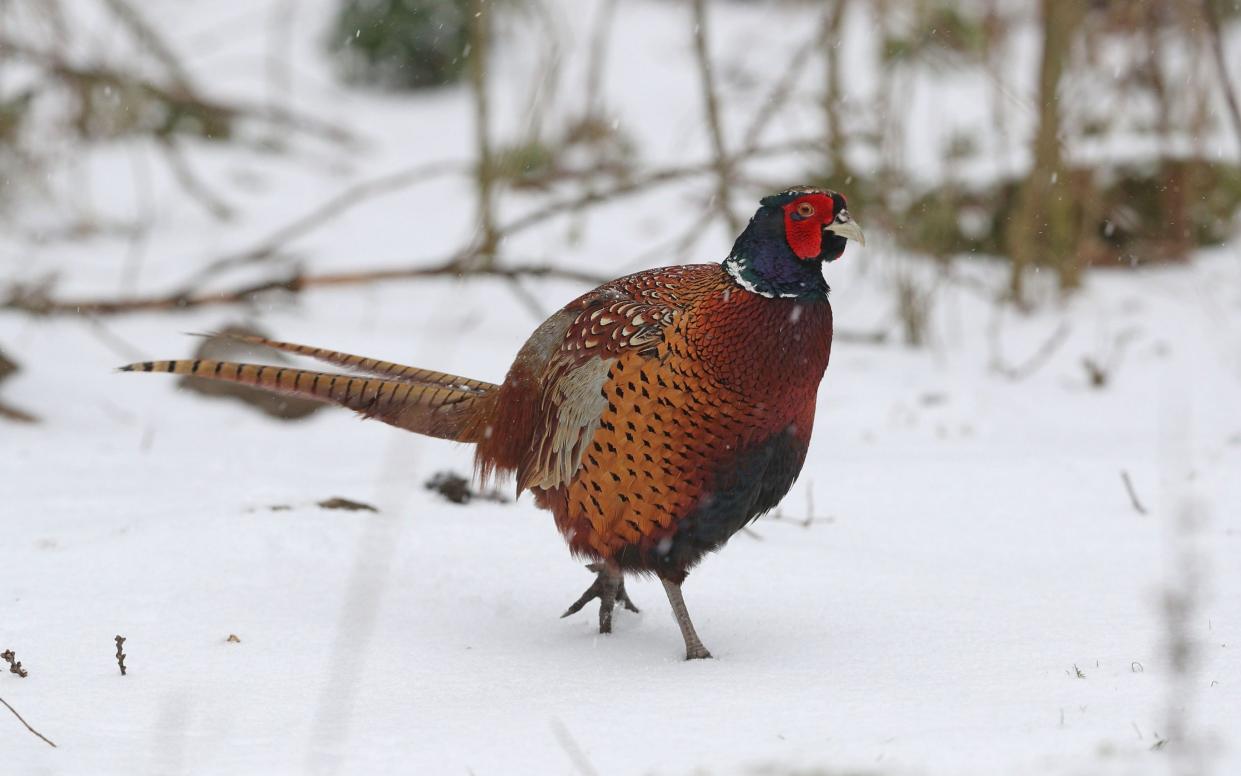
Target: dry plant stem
(723, 165)
(46, 740)
(830, 40)
(1133, 494)
(489, 238)
(600, 36)
(120, 656)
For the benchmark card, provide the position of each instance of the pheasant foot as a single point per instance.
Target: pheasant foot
(609, 588)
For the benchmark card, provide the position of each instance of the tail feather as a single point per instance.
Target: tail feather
(445, 409)
(372, 366)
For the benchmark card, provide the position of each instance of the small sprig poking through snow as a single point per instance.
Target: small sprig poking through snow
(15, 665)
(120, 655)
(1133, 494)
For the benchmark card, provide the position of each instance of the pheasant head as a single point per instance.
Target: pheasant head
(782, 250)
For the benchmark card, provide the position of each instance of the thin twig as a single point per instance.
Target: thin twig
(148, 37)
(529, 300)
(641, 183)
(97, 74)
(337, 205)
(46, 740)
(189, 180)
(783, 88)
(706, 75)
(600, 36)
(120, 656)
(484, 171)
(1035, 361)
(1133, 495)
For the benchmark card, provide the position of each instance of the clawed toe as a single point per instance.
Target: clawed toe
(609, 588)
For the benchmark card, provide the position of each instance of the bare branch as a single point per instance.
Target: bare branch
(351, 197)
(723, 165)
(642, 183)
(40, 304)
(782, 90)
(102, 75)
(38, 300)
(484, 173)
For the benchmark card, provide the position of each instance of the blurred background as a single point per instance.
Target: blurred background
(154, 152)
(1033, 386)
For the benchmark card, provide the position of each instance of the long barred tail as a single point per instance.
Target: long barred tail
(371, 366)
(419, 400)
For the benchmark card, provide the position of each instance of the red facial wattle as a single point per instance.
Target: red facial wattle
(804, 218)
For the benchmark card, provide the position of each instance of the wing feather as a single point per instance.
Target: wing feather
(574, 380)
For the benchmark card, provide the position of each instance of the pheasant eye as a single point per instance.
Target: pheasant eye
(805, 210)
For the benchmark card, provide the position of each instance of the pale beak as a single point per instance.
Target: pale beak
(847, 228)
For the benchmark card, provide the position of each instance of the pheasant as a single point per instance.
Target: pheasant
(654, 416)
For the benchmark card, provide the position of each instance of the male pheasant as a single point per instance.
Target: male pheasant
(655, 416)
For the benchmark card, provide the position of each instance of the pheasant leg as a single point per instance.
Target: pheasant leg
(609, 588)
(694, 650)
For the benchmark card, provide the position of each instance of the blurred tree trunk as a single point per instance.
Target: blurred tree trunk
(485, 170)
(1042, 230)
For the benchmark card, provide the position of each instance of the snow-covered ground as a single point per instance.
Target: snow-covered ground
(975, 595)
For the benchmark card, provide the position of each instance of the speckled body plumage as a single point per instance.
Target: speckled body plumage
(654, 416)
(705, 421)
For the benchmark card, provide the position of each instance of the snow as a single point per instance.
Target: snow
(974, 546)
